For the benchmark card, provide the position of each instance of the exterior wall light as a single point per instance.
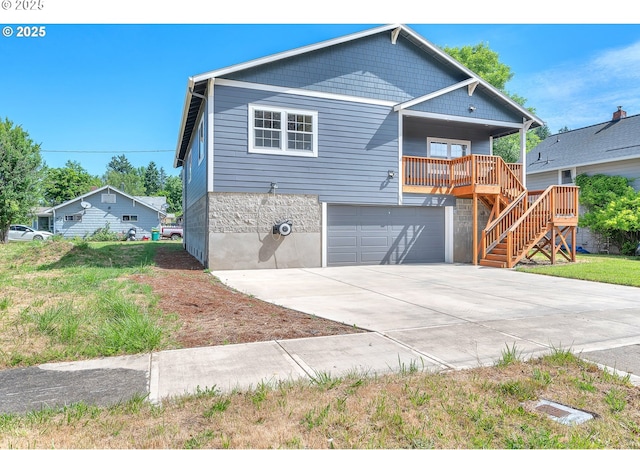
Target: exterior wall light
(391, 174)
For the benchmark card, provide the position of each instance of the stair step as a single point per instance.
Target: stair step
(491, 263)
(496, 257)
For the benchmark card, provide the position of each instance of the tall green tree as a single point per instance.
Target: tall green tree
(486, 63)
(122, 175)
(173, 191)
(120, 164)
(152, 183)
(483, 61)
(65, 183)
(20, 164)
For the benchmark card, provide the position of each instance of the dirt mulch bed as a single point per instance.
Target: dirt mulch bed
(210, 313)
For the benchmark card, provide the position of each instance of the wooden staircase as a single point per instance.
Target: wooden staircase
(521, 223)
(537, 222)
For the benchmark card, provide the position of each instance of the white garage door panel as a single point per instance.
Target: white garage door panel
(384, 235)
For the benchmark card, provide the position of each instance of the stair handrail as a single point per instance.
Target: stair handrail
(518, 239)
(490, 237)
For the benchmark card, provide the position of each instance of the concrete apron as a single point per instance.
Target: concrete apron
(461, 316)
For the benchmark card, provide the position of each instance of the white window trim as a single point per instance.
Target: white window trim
(201, 140)
(573, 176)
(449, 142)
(130, 216)
(283, 130)
(189, 166)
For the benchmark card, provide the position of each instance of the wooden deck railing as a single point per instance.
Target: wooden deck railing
(557, 204)
(468, 170)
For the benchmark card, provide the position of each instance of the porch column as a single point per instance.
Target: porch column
(523, 149)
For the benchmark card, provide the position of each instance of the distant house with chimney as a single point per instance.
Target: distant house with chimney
(609, 148)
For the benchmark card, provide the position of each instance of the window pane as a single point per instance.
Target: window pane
(300, 136)
(438, 150)
(266, 129)
(458, 150)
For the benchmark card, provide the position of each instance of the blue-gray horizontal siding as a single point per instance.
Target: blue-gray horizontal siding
(357, 145)
(456, 103)
(99, 215)
(415, 134)
(370, 67)
(197, 187)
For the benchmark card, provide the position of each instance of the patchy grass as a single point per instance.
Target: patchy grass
(65, 300)
(485, 407)
(613, 269)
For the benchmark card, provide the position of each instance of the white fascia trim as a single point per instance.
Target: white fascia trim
(302, 92)
(585, 164)
(438, 93)
(525, 112)
(209, 137)
(448, 234)
(400, 174)
(185, 112)
(427, 115)
(289, 53)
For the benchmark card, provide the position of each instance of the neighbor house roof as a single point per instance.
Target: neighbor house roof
(197, 85)
(144, 201)
(616, 140)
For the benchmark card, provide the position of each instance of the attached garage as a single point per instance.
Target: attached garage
(358, 235)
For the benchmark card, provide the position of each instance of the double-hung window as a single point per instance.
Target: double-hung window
(447, 148)
(283, 131)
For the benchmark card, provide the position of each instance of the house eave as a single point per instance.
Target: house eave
(581, 164)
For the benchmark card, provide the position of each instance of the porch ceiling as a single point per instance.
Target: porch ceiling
(418, 123)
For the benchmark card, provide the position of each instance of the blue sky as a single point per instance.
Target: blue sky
(91, 89)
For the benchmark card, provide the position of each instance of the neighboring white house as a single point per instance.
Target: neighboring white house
(86, 214)
(608, 148)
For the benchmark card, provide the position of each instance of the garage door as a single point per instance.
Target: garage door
(384, 235)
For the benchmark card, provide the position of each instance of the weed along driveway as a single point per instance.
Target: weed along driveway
(463, 316)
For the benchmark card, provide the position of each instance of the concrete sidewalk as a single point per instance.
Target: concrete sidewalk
(431, 316)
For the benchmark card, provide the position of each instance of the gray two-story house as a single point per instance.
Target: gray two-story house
(364, 149)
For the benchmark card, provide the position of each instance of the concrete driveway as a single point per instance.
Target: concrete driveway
(461, 316)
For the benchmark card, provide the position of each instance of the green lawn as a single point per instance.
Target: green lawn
(624, 270)
(62, 300)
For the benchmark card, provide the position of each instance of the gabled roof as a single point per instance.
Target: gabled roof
(140, 200)
(197, 85)
(616, 140)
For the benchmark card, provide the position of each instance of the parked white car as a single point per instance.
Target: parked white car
(25, 233)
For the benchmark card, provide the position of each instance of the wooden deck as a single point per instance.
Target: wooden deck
(521, 223)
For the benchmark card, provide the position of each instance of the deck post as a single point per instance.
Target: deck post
(474, 245)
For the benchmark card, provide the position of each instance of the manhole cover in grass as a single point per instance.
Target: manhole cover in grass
(563, 414)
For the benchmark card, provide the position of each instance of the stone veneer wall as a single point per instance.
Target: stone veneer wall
(463, 228)
(241, 231)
